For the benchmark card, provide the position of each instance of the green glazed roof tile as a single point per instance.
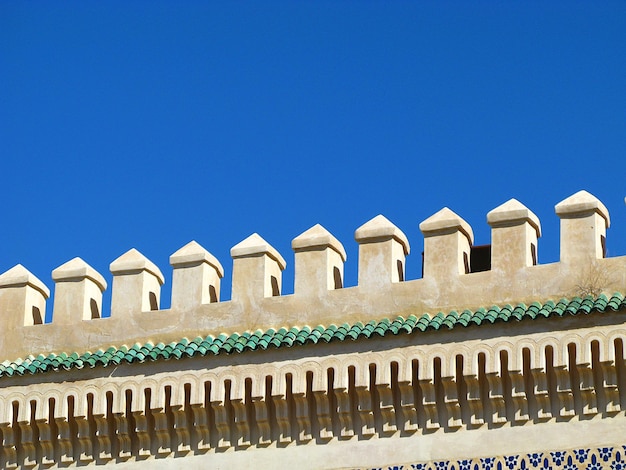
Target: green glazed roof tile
(436, 321)
(339, 334)
(478, 316)
(287, 340)
(464, 318)
(395, 325)
(302, 335)
(368, 329)
(560, 307)
(239, 346)
(409, 323)
(177, 353)
(423, 322)
(214, 348)
(573, 307)
(191, 348)
(250, 341)
(316, 334)
(600, 303)
(450, 319)
(505, 313)
(615, 301)
(532, 310)
(268, 334)
(518, 311)
(382, 327)
(328, 333)
(546, 309)
(277, 337)
(491, 314)
(353, 332)
(589, 303)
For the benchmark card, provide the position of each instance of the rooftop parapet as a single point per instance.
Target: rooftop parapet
(22, 299)
(78, 292)
(257, 270)
(514, 234)
(584, 220)
(383, 248)
(319, 262)
(447, 242)
(136, 284)
(451, 281)
(196, 277)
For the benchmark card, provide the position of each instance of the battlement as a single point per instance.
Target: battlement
(376, 381)
(449, 281)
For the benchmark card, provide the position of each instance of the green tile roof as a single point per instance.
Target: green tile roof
(238, 343)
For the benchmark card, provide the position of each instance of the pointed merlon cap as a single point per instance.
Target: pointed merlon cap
(133, 262)
(254, 245)
(380, 228)
(446, 220)
(318, 237)
(582, 202)
(513, 211)
(77, 269)
(193, 254)
(19, 276)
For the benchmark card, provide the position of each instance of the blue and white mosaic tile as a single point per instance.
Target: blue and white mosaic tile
(598, 458)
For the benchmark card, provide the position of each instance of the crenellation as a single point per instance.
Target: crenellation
(319, 259)
(196, 277)
(136, 284)
(22, 298)
(383, 248)
(515, 230)
(447, 242)
(584, 221)
(448, 282)
(350, 379)
(257, 270)
(78, 292)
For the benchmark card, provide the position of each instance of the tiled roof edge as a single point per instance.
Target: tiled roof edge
(272, 338)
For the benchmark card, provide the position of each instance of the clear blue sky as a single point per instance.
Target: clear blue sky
(149, 124)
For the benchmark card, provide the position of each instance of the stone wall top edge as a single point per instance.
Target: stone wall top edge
(512, 276)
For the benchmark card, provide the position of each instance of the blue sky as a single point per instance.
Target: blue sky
(149, 124)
